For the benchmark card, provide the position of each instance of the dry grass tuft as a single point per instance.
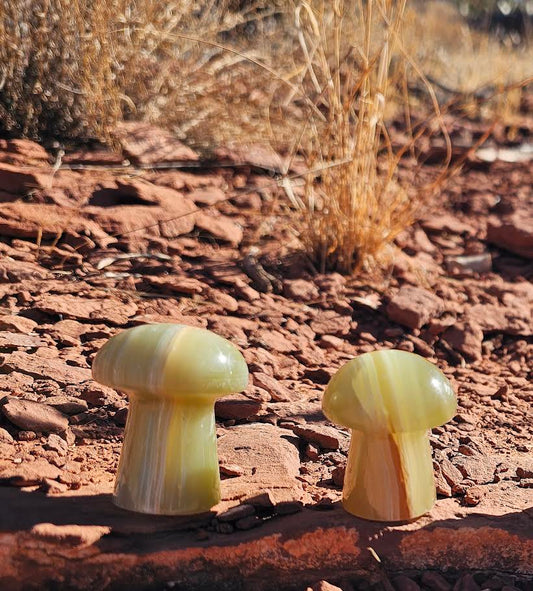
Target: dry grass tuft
(73, 69)
(352, 205)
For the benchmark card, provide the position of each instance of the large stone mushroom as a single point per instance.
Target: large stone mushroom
(389, 399)
(172, 374)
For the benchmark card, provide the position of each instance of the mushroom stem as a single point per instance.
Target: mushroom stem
(389, 477)
(169, 462)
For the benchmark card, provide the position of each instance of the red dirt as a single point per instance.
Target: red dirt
(90, 250)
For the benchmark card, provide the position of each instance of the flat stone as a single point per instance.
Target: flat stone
(33, 220)
(413, 307)
(18, 324)
(514, 233)
(34, 416)
(331, 322)
(447, 223)
(15, 271)
(465, 337)
(5, 436)
(29, 473)
(451, 473)
(479, 469)
(10, 340)
(325, 437)
(273, 340)
(300, 290)
(69, 535)
(97, 310)
(39, 367)
(20, 181)
(237, 406)
(514, 318)
(57, 444)
(207, 196)
(235, 513)
(175, 218)
(325, 586)
(176, 284)
(147, 144)
(220, 227)
(23, 152)
(270, 461)
(278, 392)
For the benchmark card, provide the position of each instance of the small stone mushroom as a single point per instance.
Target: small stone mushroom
(390, 399)
(172, 374)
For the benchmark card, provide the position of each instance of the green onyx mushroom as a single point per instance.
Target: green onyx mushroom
(389, 399)
(172, 375)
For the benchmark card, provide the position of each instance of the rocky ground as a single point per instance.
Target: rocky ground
(94, 241)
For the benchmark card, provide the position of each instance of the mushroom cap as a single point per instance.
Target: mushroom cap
(171, 361)
(389, 391)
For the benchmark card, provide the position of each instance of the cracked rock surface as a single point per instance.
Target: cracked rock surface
(87, 252)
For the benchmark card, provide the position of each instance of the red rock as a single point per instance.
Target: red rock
(230, 328)
(29, 473)
(253, 154)
(337, 475)
(231, 470)
(526, 483)
(435, 581)
(23, 152)
(208, 196)
(447, 223)
(39, 367)
(100, 310)
(69, 535)
(57, 444)
(514, 318)
(479, 469)
(5, 436)
(95, 394)
(277, 391)
(220, 227)
(413, 307)
(235, 513)
(326, 437)
(237, 407)
(312, 451)
(33, 220)
(10, 340)
(451, 474)
(421, 347)
(174, 219)
(20, 181)
(325, 586)
(176, 284)
(465, 337)
(328, 341)
(274, 341)
(67, 405)
(441, 485)
(271, 463)
(17, 324)
(147, 144)
(331, 322)
(16, 271)
(514, 233)
(300, 290)
(34, 416)
(223, 299)
(473, 496)
(15, 382)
